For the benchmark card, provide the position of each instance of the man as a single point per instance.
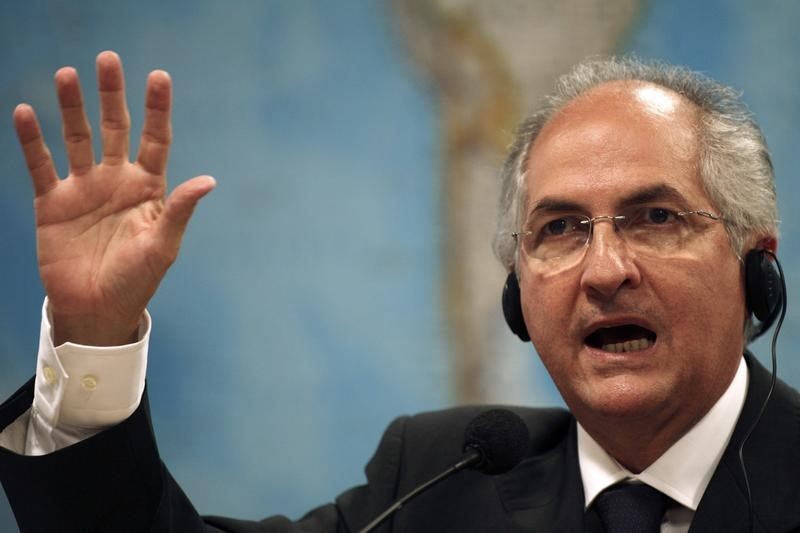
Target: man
(634, 204)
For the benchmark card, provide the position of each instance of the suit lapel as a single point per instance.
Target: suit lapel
(771, 458)
(545, 492)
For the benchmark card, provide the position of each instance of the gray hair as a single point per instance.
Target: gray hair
(734, 162)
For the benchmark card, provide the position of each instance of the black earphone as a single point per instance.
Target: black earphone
(762, 288)
(512, 307)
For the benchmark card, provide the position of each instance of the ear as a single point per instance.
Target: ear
(769, 242)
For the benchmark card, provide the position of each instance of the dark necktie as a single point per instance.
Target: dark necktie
(631, 508)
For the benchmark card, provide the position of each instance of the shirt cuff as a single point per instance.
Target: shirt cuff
(88, 386)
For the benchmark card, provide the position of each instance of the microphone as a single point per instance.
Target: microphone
(495, 441)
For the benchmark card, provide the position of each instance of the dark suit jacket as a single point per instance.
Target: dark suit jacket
(116, 482)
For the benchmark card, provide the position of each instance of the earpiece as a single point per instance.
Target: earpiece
(512, 307)
(762, 288)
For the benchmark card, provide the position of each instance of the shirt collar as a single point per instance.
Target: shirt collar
(684, 470)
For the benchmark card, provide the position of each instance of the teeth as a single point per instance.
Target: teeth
(628, 346)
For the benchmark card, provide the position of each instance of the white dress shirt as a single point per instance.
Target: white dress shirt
(685, 469)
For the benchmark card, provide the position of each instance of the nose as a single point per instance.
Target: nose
(608, 264)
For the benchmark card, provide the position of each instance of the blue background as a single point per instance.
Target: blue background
(304, 312)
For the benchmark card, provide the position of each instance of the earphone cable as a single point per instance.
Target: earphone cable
(773, 379)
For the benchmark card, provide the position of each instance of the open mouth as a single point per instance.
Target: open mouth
(621, 339)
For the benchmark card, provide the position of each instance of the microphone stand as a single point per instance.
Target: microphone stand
(472, 457)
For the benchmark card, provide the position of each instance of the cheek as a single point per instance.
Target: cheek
(548, 303)
(706, 304)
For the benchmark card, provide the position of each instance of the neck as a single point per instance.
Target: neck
(636, 445)
(637, 440)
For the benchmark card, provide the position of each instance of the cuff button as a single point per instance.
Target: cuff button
(89, 383)
(49, 375)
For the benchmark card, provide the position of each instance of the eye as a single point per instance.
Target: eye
(558, 226)
(651, 216)
(563, 226)
(659, 215)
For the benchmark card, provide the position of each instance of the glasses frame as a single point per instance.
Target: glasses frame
(518, 235)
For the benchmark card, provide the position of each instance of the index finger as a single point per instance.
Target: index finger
(37, 156)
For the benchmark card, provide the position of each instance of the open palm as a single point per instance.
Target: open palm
(107, 233)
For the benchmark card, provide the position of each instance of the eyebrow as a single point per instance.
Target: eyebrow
(647, 194)
(653, 193)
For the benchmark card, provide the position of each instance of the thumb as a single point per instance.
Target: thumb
(179, 208)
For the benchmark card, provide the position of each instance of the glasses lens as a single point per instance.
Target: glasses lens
(554, 236)
(656, 229)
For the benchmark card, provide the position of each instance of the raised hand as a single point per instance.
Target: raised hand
(107, 233)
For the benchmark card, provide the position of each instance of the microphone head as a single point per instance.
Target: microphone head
(500, 437)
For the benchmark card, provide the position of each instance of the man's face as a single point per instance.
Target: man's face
(626, 144)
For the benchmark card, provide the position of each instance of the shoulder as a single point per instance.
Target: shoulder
(784, 400)
(416, 448)
(435, 438)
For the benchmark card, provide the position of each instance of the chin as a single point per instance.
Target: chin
(619, 397)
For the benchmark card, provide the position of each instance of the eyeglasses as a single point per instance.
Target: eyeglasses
(556, 237)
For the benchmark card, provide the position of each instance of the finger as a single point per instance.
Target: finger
(179, 208)
(157, 131)
(115, 121)
(37, 156)
(77, 133)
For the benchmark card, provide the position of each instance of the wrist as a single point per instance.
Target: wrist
(93, 330)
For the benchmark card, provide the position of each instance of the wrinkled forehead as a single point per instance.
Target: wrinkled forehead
(615, 137)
